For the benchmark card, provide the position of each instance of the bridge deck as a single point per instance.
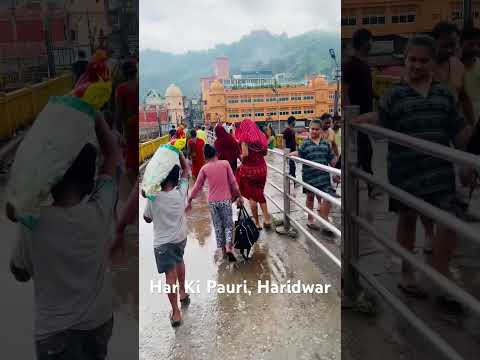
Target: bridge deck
(274, 326)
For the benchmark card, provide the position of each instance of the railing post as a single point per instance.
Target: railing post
(286, 190)
(350, 192)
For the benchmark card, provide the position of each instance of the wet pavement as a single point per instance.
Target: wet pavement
(243, 326)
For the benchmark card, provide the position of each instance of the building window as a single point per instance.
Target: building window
(296, 98)
(373, 20)
(349, 21)
(272, 113)
(246, 100)
(271, 99)
(232, 116)
(232, 101)
(308, 111)
(258, 100)
(403, 18)
(244, 115)
(283, 99)
(308, 97)
(457, 14)
(283, 112)
(296, 112)
(259, 114)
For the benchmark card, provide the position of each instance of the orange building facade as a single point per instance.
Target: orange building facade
(401, 17)
(266, 104)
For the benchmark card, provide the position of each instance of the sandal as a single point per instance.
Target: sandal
(185, 301)
(231, 257)
(328, 232)
(174, 323)
(313, 226)
(413, 291)
(451, 305)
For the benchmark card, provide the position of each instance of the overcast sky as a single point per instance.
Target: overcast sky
(181, 25)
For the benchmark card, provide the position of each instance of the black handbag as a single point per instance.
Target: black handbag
(245, 233)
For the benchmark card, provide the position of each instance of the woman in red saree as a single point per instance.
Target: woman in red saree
(252, 174)
(195, 153)
(226, 146)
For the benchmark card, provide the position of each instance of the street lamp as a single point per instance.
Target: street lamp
(337, 78)
(278, 110)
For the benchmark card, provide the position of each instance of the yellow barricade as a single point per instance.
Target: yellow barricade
(20, 107)
(147, 149)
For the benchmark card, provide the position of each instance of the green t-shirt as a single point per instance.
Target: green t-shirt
(433, 118)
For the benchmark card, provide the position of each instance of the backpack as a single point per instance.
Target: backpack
(245, 233)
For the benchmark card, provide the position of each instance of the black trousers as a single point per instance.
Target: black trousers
(292, 168)
(365, 153)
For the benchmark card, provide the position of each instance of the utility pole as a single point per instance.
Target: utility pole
(48, 40)
(91, 39)
(278, 105)
(337, 78)
(467, 15)
(13, 20)
(124, 28)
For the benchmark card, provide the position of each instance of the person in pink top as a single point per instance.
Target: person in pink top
(222, 190)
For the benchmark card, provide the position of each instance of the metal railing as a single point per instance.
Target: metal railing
(288, 219)
(19, 108)
(352, 222)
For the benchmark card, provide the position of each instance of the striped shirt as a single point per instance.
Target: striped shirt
(433, 118)
(320, 153)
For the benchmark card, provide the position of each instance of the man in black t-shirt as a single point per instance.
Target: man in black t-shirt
(289, 142)
(358, 90)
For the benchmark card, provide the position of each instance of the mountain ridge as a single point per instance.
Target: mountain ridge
(297, 56)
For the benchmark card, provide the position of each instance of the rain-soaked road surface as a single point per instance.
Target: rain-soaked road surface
(242, 326)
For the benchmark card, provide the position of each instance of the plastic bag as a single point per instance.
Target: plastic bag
(53, 142)
(158, 168)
